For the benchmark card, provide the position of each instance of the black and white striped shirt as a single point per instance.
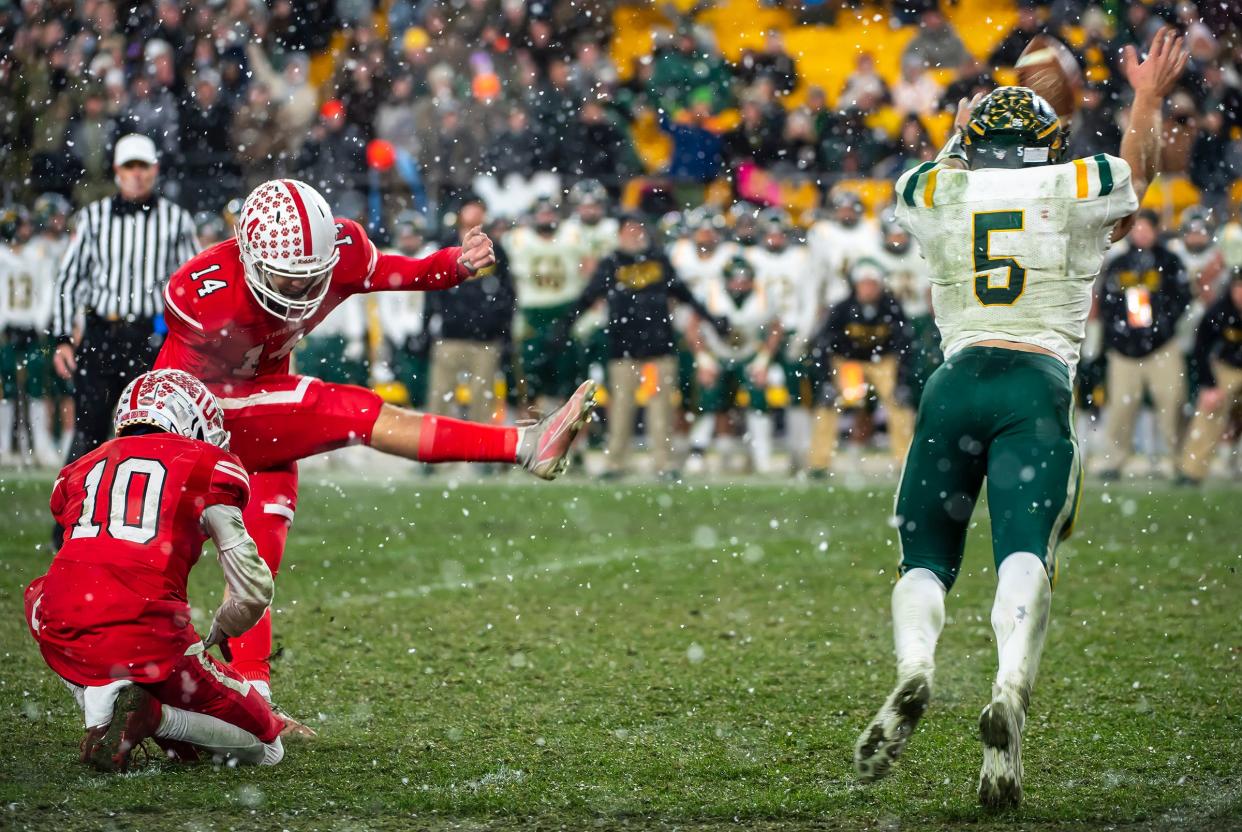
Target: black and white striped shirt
(121, 255)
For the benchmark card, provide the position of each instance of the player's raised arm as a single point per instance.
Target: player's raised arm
(443, 269)
(1152, 80)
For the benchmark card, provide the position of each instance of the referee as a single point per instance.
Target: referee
(123, 251)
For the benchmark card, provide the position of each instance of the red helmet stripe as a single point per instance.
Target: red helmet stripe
(133, 397)
(302, 215)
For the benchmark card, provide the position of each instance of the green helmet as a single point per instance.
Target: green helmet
(1013, 128)
(12, 218)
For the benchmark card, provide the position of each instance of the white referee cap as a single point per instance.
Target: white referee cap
(135, 148)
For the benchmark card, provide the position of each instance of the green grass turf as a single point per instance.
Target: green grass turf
(512, 655)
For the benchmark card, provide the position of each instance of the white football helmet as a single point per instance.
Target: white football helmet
(286, 230)
(174, 401)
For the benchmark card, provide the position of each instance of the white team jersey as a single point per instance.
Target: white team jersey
(835, 247)
(1231, 244)
(791, 285)
(401, 313)
(908, 279)
(590, 242)
(1013, 253)
(545, 271)
(348, 320)
(43, 254)
(24, 301)
(749, 321)
(697, 271)
(1196, 261)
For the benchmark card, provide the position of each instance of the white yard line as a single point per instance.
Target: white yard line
(550, 567)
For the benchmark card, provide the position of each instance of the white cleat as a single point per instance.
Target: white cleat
(885, 738)
(545, 445)
(1000, 779)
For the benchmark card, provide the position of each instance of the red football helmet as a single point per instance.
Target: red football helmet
(175, 401)
(286, 230)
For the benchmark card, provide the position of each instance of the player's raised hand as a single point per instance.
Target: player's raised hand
(1166, 58)
(964, 109)
(476, 251)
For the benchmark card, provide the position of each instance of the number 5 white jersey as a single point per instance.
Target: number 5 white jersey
(1013, 253)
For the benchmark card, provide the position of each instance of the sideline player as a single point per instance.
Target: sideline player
(111, 616)
(237, 310)
(1012, 280)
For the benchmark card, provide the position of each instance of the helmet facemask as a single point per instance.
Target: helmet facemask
(293, 309)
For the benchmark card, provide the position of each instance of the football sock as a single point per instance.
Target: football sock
(1020, 621)
(759, 432)
(442, 439)
(40, 430)
(798, 431)
(211, 733)
(702, 432)
(7, 413)
(918, 618)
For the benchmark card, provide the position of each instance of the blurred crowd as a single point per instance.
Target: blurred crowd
(794, 324)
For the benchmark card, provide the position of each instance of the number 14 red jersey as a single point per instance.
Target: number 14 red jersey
(218, 331)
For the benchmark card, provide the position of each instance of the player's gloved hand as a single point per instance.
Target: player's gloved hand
(217, 637)
(476, 251)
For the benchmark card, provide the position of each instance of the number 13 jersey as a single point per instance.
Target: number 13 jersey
(1013, 253)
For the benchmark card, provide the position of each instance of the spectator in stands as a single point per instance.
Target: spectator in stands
(937, 44)
(332, 158)
(864, 89)
(757, 137)
(913, 146)
(291, 92)
(773, 63)
(1217, 360)
(1095, 128)
(1142, 294)
(683, 66)
(799, 147)
(1027, 26)
(697, 148)
(515, 149)
(153, 113)
(259, 138)
(207, 165)
(916, 92)
(972, 78)
(595, 148)
(91, 135)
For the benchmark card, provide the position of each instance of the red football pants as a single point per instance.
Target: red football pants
(201, 684)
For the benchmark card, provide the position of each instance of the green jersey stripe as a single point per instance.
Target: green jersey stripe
(912, 182)
(1106, 174)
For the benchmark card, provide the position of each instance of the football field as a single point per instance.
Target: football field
(507, 655)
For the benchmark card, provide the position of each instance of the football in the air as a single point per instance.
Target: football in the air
(1048, 67)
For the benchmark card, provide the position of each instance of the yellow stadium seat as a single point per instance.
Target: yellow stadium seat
(876, 194)
(1169, 195)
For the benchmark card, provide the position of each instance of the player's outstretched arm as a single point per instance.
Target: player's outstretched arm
(248, 581)
(1152, 79)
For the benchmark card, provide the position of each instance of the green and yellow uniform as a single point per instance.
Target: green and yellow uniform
(1012, 256)
(548, 280)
